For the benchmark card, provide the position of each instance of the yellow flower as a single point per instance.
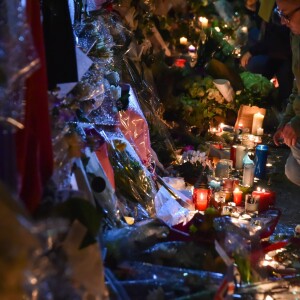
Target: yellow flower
(121, 146)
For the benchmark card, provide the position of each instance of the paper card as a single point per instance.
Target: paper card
(266, 9)
(245, 116)
(87, 269)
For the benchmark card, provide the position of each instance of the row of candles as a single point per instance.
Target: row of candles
(239, 159)
(256, 128)
(259, 200)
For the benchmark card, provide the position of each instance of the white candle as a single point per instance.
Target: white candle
(248, 175)
(260, 131)
(183, 40)
(192, 48)
(203, 22)
(244, 29)
(240, 153)
(258, 119)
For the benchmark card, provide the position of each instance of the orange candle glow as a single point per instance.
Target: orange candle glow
(237, 196)
(200, 198)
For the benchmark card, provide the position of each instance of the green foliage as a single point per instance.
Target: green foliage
(256, 90)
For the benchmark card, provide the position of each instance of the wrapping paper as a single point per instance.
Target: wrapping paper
(102, 155)
(135, 128)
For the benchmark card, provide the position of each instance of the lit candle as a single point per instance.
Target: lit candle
(200, 198)
(244, 29)
(180, 62)
(213, 130)
(266, 198)
(183, 40)
(221, 127)
(258, 119)
(260, 131)
(203, 22)
(237, 196)
(240, 153)
(192, 48)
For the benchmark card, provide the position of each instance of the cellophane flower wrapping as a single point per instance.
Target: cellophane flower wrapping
(133, 181)
(135, 128)
(16, 38)
(149, 103)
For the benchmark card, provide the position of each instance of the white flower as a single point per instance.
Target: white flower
(115, 91)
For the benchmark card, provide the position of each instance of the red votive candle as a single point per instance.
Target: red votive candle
(228, 183)
(200, 198)
(237, 196)
(266, 198)
(180, 62)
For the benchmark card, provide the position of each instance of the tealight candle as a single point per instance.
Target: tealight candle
(244, 29)
(203, 22)
(183, 40)
(258, 119)
(237, 196)
(192, 48)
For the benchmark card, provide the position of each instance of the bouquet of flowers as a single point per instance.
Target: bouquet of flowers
(132, 179)
(191, 165)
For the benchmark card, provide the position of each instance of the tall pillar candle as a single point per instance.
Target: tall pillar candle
(240, 153)
(258, 119)
(260, 161)
(248, 175)
(233, 154)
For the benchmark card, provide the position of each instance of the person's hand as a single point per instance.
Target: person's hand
(289, 135)
(245, 59)
(277, 137)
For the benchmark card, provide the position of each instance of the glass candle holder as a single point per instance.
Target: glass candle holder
(261, 155)
(200, 198)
